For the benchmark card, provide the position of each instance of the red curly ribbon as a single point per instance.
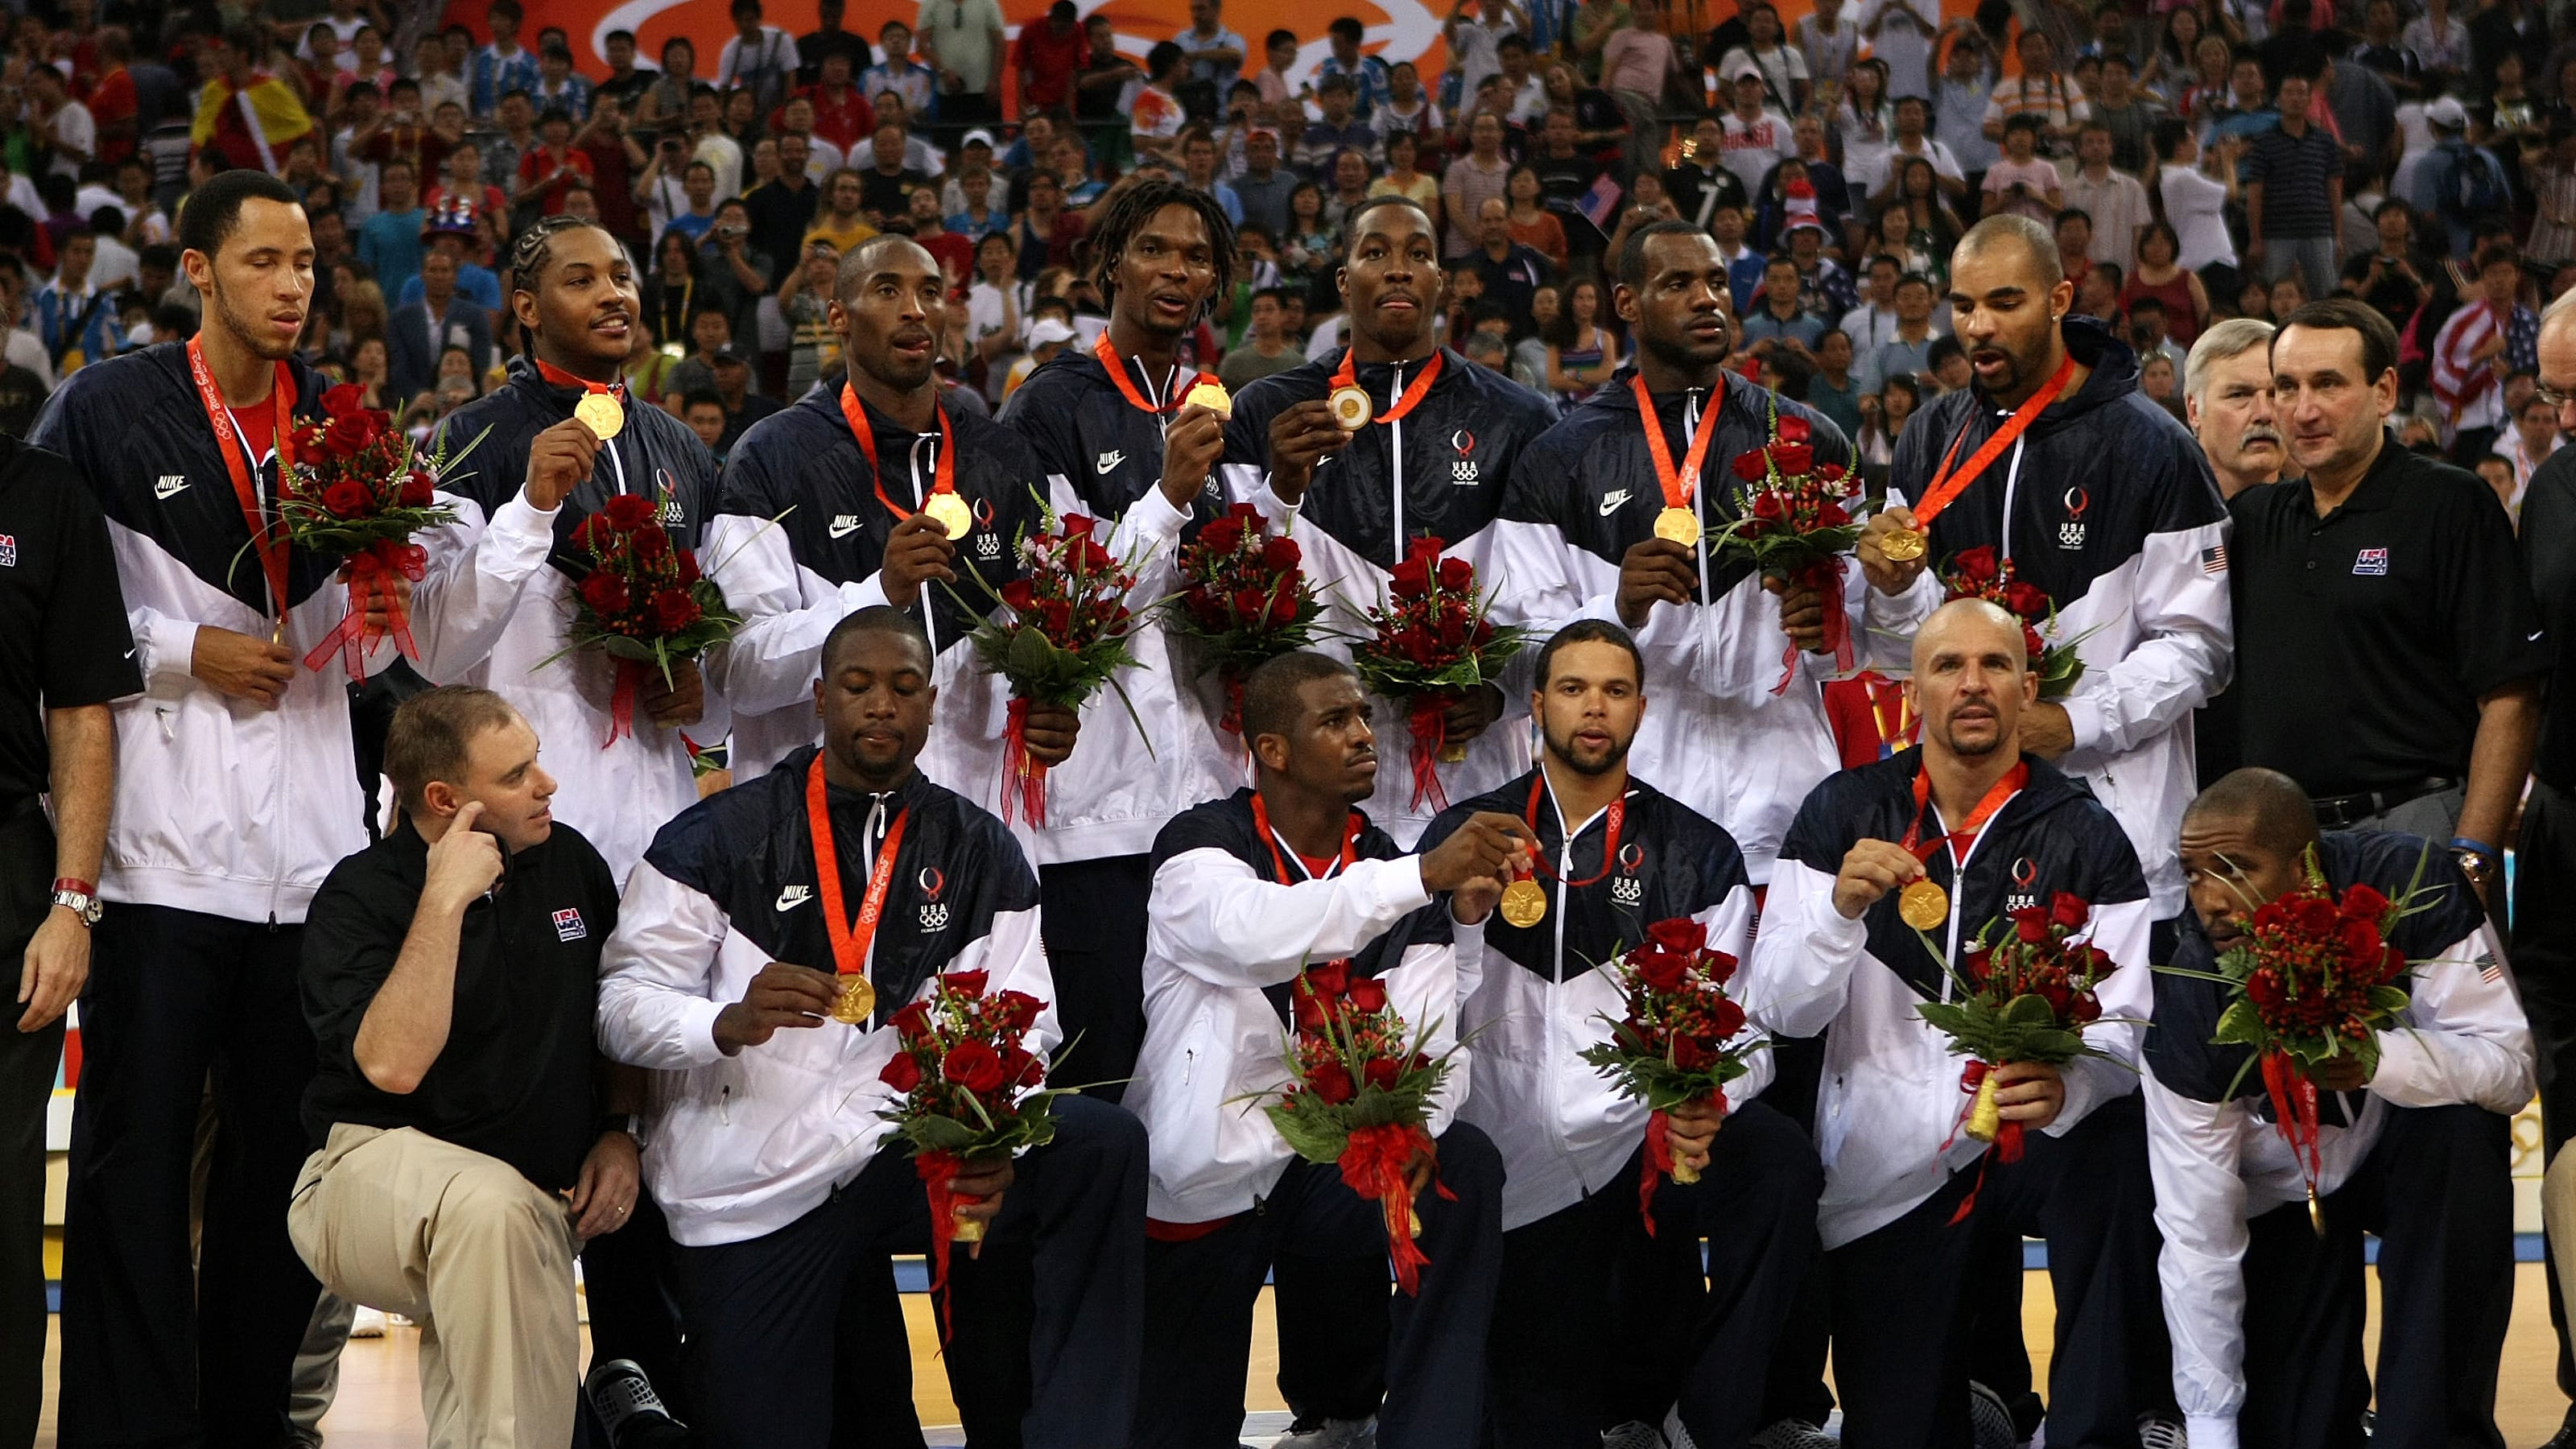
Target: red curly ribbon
(1024, 783)
(1826, 578)
(1372, 1164)
(371, 576)
(937, 1169)
(621, 701)
(2294, 1111)
(2006, 1148)
(1428, 723)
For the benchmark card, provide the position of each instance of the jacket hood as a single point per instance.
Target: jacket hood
(2114, 374)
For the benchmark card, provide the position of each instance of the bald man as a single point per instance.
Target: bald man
(2415, 1143)
(2007, 830)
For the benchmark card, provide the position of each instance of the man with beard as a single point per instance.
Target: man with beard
(2262, 1262)
(730, 967)
(1911, 1213)
(1265, 896)
(1115, 437)
(2382, 566)
(1441, 440)
(2227, 397)
(1618, 860)
(235, 798)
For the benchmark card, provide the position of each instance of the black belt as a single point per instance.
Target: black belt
(2340, 812)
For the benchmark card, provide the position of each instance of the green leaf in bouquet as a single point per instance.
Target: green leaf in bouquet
(2241, 1024)
(2389, 999)
(2029, 1011)
(1317, 1136)
(939, 1134)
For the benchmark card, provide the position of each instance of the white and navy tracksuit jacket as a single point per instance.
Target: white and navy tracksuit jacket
(1227, 939)
(222, 806)
(501, 604)
(2134, 554)
(744, 1145)
(2218, 1164)
(1890, 1096)
(1537, 996)
(1580, 498)
(1441, 469)
(1098, 454)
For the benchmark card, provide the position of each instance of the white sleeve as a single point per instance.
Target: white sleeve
(2186, 629)
(1149, 532)
(478, 568)
(1729, 648)
(2194, 1151)
(2465, 1039)
(1800, 975)
(1424, 988)
(2128, 998)
(1730, 929)
(1218, 921)
(1888, 623)
(786, 609)
(655, 974)
(165, 651)
(1533, 562)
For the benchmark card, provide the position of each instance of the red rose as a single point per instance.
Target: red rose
(1057, 622)
(1382, 1073)
(1678, 934)
(1661, 970)
(346, 400)
(688, 567)
(1249, 605)
(628, 511)
(2361, 903)
(1222, 536)
(1689, 1054)
(912, 1022)
(903, 1073)
(1016, 1010)
(1311, 1015)
(1027, 1068)
(1794, 459)
(1332, 1082)
(590, 533)
(1329, 980)
(1794, 430)
(1726, 1019)
(1244, 514)
(1976, 565)
(605, 593)
(1752, 467)
(674, 610)
(1717, 966)
(652, 545)
(2030, 926)
(2033, 645)
(973, 1065)
(1456, 574)
(1020, 594)
(1832, 515)
(965, 983)
(1280, 555)
(2084, 1010)
(1076, 525)
(2316, 915)
(1425, 546)
(346, 498)
(2360, 943)
(1768, 507)
(1411, 578)
(2027, 600)
(1368, 994)
(418, 490)
(1283, 604)
(2068, 910)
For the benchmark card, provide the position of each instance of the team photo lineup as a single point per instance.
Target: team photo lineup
(1656, 730)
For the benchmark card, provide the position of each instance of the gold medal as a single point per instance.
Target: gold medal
(1679, 525)
(951, 513)
(601, 413)
(1351, 409)
(1903, 546)
(1524, 903)
(1924, 906)
(857, 1001)
(1211, 395)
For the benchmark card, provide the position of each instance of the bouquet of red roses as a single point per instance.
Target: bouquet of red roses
(1360, 1098)
(969, 1089)
(1434, 644)
(2025, 997)
(360, 489)
(1067, 635)
(1678, 1042)
(1977, 573)
(2314, 979)
(1795, 520)
(643, 602)
(1244, 598)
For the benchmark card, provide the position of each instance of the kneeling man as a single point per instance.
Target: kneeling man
(2265, 1302)
(451, 972)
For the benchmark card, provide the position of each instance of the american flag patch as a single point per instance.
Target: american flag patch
(2490, 970)
(2213, 560)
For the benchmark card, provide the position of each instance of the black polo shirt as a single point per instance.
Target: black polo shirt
(2549, 552)
(63, 637)
(2365, 638)
(517, 1078)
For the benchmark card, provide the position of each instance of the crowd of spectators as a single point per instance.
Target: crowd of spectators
(2198, 161)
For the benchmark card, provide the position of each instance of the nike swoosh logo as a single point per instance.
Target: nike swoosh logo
(169, 484)
(794, 896)
(845, 525)
(2535, 636)
(1613, 501)
(1108, 461)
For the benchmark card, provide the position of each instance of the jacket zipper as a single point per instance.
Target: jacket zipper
(929, 613)
(1395, 460)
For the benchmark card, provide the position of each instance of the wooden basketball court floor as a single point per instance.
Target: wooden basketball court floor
(379, 1400)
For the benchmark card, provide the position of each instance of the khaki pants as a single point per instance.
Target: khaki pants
(474, 1253)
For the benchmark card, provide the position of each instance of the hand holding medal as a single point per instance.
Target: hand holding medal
(1906, 539)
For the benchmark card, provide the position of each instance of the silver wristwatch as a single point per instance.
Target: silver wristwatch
(81, 904)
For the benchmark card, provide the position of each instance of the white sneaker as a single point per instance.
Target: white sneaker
(1632, 1435)
(2155, 1433)
(1791, 1434)
(1331, 1434)
(369, 1323)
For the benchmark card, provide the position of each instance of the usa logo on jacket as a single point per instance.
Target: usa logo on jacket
(2070, 534)
(1627, 888)
(1463, 471)
(934, 914)
(568, 926)
(2025, 877)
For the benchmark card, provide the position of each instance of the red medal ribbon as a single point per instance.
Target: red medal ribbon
(2294, 1112)
(270, 544)
(1413, 392)
(1682, 486)
(1947, 486)
(561, 378)
(850, 939)
(1372, 1165)
(1969, 829)
(1609, 847)
(1270, 837)
(1107, 352)
(943, 472)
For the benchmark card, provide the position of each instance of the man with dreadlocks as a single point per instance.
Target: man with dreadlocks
(1117, 437)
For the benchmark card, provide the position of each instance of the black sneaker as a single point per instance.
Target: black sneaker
(629, 1411)
(1990, 1424)
(2565, 1438)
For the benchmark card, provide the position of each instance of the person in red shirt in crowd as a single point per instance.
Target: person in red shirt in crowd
(842, 116)
(464, 182)
(614, 158)
(111, 101)
(553, 165)
(255, 136)
(1049, 55)
(954, 253)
